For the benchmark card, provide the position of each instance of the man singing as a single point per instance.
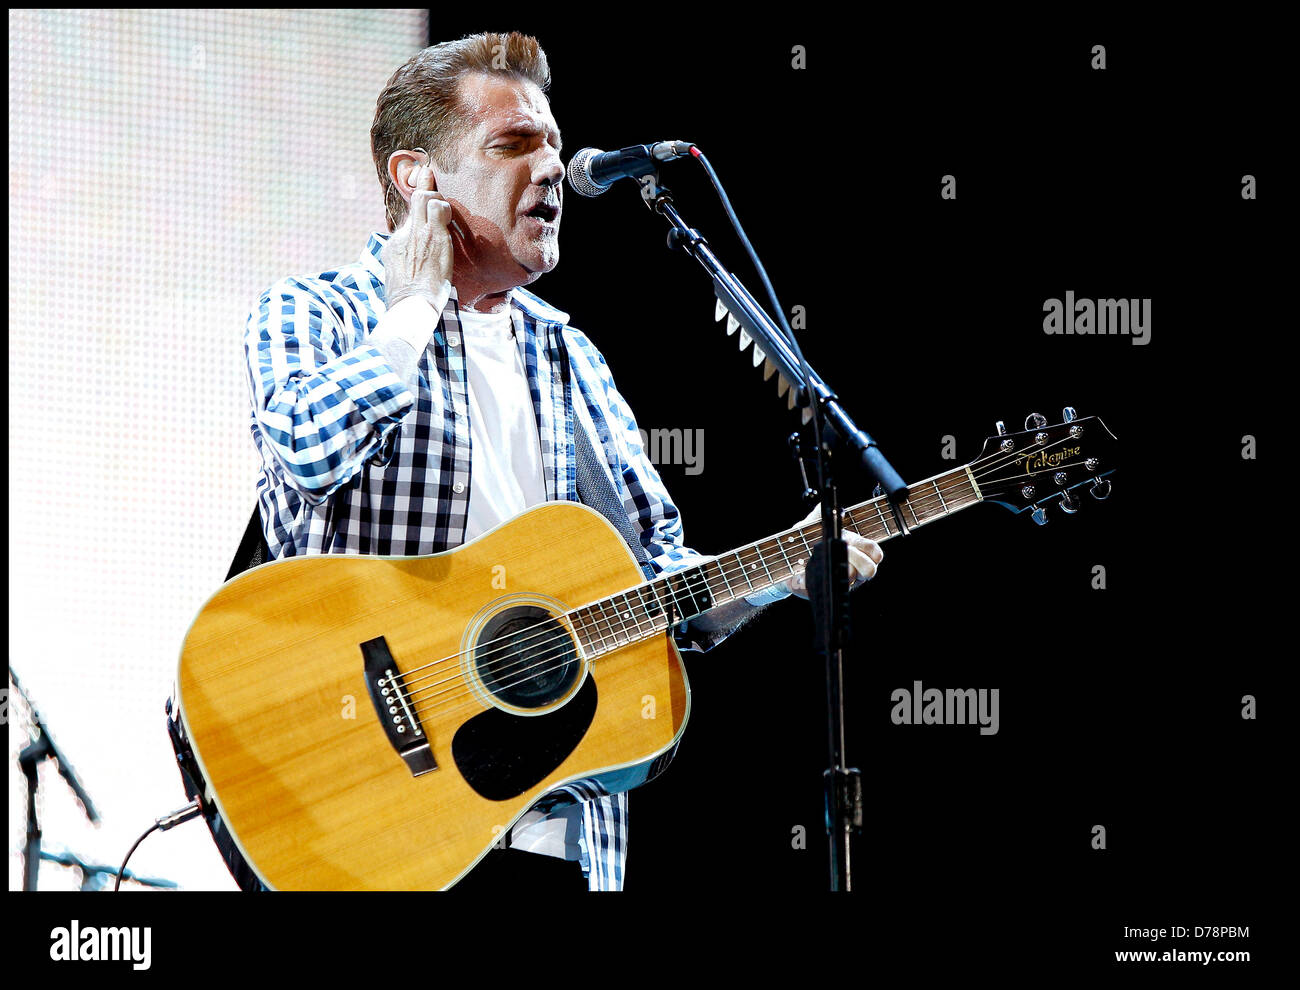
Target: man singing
(419, 397)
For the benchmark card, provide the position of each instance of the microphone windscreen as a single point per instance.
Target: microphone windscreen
(579, 181)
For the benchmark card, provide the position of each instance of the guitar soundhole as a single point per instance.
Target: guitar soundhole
(525, 658)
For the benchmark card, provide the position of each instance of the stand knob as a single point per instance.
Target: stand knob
(1039, 515)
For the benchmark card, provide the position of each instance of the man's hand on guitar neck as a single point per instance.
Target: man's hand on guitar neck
(864, 559)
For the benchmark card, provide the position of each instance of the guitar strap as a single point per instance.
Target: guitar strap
(597, 491)
(252, 547)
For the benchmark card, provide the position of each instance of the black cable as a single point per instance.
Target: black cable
(117, 881)
(191, 810)
(771, 295)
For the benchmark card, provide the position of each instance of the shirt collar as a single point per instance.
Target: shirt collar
(520, 298)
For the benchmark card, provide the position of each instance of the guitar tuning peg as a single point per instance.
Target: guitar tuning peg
(1068, 415)
(1002, 428)
(1100, 489)
(878, 490)
(1039, 515)
(759, 356)
(1069, 504)
(719, 311)
(1035, 421)
(732, 324)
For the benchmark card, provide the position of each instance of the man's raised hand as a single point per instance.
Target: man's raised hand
(418, 256)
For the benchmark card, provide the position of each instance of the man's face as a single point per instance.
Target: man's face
(508, 166)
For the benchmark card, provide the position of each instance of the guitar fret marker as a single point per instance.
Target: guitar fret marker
(742, 571)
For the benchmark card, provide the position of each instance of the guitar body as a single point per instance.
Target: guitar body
(281, 685)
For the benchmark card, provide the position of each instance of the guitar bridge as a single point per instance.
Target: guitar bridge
(396, 713)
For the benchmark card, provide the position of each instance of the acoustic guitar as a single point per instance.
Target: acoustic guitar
(378, 723)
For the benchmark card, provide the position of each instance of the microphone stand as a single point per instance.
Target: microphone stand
(41, 748)
(828, 584)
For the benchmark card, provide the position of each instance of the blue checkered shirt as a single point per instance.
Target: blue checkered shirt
(354, 462)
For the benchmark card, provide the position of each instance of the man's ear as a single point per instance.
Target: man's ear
(403, 169)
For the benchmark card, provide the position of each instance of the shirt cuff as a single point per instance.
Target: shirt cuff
(689, 637)
(411, 320)
(768, 596)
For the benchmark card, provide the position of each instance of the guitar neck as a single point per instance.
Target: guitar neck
(651, 608)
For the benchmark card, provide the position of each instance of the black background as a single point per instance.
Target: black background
(1119, 707)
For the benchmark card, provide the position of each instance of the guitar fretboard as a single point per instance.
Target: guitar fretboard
(650, 608)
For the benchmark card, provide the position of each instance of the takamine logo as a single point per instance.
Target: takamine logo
(1043, 461)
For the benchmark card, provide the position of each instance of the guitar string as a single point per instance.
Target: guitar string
(924, 503)
(731, 565)
(738, 565)
(986, 467)
(550, 659)
(542, 660)
(470, 698)
(597, 617)
(747, 566)
(546, 661)
(592, 632)
(639, 591)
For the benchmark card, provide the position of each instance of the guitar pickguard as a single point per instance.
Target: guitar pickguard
(501, 755)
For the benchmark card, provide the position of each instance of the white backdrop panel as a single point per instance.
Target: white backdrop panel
(164, 168)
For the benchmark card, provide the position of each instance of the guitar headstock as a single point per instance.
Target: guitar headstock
(1046, 464)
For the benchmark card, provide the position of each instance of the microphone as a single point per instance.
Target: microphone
(592, 171)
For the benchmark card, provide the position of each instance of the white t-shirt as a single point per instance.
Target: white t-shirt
(506, 459)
